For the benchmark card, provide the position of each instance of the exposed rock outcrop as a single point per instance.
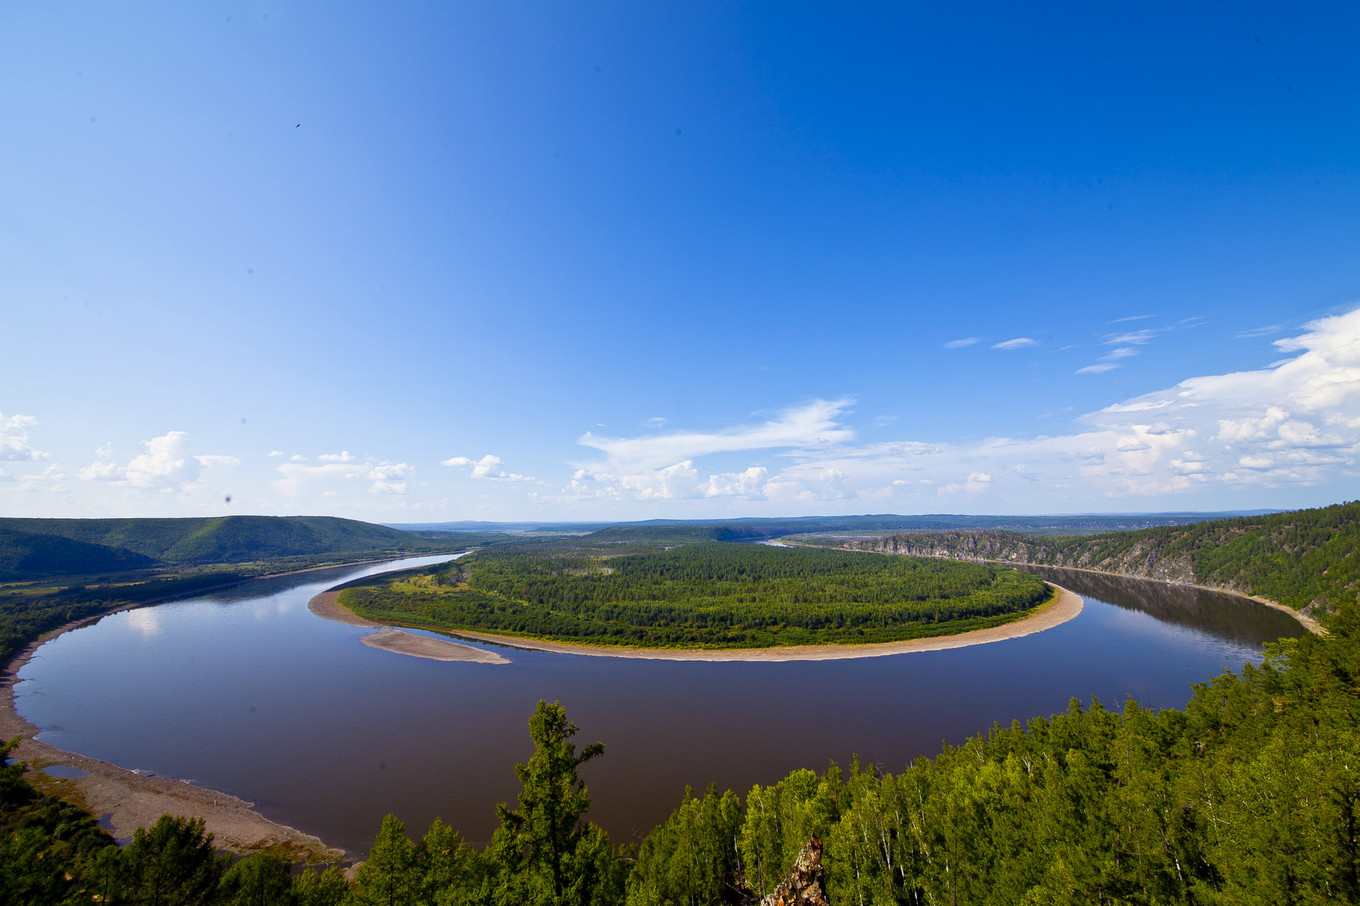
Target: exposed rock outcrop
(805, 884)
(1143, 559)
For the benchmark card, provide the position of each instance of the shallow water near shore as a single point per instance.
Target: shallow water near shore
(247, 692)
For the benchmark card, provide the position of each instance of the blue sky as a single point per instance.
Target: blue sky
(438, 261)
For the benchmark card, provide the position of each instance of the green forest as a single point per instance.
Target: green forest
(703, 594)
(1307, 559)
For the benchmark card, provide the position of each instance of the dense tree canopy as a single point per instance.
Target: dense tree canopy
(701, 595)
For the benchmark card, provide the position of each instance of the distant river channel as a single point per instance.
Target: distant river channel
(247, 692)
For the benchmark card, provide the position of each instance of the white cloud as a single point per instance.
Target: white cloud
(387, 487)
(662, 466)
(962, 342)
(1294, 423)
(336, 472)
(976, 483)
(101, 471)
(276, 453)
(1097, 369)
(166, 464)
(488, 468)
(808, 426)
(737, 484)
(387, 471)
(1017, 343)
(1134, 337)
(14, 445)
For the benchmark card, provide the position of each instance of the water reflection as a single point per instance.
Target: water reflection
(1231, 618)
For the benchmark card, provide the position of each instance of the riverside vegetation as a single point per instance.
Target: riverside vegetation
(698, 595)
(1308, 559)
(1249, 795)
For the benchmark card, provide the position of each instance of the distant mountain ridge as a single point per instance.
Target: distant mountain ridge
(36, 547)
(767, 527)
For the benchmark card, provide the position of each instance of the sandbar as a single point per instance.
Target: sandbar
(1064, 606)
(400, 641)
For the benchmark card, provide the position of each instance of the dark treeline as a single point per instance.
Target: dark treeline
(1249, 795)
(1307, 559)
(701, 594)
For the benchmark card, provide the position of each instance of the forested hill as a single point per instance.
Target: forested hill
(1308, 559)
(52, 547)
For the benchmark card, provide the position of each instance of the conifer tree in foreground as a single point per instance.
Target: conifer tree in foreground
(549, 854)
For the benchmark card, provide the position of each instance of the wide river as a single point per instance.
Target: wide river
(247, 692)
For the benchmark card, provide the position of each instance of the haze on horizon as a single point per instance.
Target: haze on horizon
(611, 261)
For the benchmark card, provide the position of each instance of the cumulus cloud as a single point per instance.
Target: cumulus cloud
(748, 483)
(1017, 343)
(336, 472)
(487, 468)
(166, 463)
(14, 445)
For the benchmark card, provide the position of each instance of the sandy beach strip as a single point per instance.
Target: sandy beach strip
(1065, 606)
(126, 800)
(399, 641)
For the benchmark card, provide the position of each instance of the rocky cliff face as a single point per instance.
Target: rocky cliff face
(1143, 559)
(805, 885)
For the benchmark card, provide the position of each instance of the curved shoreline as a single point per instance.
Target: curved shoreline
(1303, 619)
(1065, 606)
(125, 800)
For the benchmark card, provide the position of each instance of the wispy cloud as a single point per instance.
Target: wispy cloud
(1135, 337)
(1017, 343)
(662, 466)
(1295, 423)
(961, 343)
(812, 425)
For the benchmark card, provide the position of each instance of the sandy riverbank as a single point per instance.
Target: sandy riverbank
(125, 800)
(399, 641)
(1064, 606)
(390, 638)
